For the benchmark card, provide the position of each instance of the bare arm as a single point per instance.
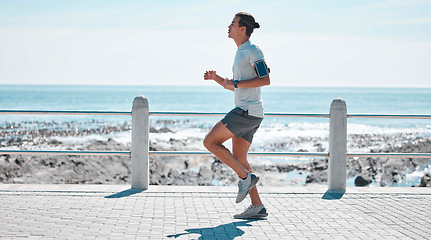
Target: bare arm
(224, 82)
(254, 82)
(228, 84)
(251, 83)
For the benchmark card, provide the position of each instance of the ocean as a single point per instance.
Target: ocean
(273, 133)
(213, 99)
(216, 99)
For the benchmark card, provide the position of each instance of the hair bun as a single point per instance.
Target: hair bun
(256, 25)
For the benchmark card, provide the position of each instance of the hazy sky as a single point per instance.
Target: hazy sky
(364, 43)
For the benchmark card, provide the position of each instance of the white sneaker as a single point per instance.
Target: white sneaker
(244, 186)
(252, 212)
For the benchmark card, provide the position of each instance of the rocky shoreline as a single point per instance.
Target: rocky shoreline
(179, 170)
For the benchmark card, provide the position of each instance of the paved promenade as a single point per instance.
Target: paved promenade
(174, 212)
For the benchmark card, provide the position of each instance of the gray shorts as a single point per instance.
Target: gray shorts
(241, 124)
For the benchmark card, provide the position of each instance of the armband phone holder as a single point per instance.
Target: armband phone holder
(261, 69)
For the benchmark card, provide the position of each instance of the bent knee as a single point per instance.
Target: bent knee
(211, 143)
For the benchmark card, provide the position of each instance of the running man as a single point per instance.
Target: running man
(249, 74)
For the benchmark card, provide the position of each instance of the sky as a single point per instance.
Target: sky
(313, 43)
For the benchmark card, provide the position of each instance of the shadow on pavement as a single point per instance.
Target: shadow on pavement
(333, 195)
(125, 193)
(224, 231)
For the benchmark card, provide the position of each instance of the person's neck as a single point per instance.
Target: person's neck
(241, 40)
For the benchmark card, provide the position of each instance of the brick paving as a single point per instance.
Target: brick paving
(175, 212)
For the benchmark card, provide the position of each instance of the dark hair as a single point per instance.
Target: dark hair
(247, 20)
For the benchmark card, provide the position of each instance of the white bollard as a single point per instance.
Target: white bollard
(140, 143)
(337, 146)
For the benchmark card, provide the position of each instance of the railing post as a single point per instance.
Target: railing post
(140, 143)
(337, 146)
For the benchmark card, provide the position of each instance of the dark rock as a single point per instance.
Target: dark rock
(317, 177)
(74, 161)
(393, 170)
(18, 162)
(426, 181)
(319, 147)
(362, 180)
(206, 173)
(55, 142)
(286, 168)
(320, 165)
(161, 130)
(223, 173)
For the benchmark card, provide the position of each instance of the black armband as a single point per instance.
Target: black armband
(261, 69)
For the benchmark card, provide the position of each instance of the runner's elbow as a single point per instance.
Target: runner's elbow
(266, 81)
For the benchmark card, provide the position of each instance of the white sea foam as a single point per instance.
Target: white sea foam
(414, 177)
(76, 140)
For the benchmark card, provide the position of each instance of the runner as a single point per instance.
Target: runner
(249, 74)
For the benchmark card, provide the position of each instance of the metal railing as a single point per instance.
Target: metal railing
(391, 116)
(153, 153)
(65, 112)
(140, 139)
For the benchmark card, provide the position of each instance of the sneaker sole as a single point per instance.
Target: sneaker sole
(252, 184)
(254, 216)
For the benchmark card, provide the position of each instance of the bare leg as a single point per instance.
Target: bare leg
(240, 149)
(214, 143)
